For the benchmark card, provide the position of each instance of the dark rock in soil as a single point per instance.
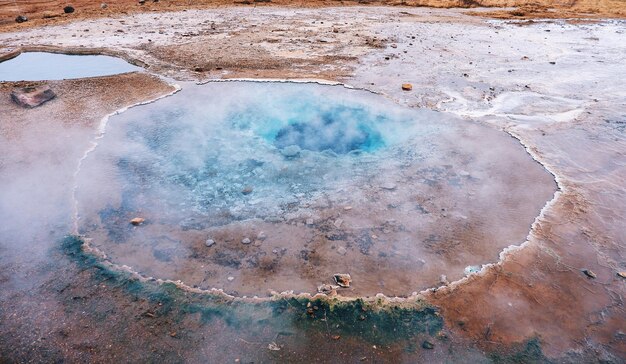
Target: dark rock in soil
(31, 97)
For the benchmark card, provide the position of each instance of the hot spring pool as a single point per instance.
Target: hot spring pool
(295, 182)
(36, 66)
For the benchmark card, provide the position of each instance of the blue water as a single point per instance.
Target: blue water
(36, 66)
(192, 154)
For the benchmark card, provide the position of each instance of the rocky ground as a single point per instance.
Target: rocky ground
(554, 85)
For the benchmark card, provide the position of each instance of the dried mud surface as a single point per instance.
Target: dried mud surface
(555, 88)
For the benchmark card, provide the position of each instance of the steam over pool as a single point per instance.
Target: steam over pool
(296, 182)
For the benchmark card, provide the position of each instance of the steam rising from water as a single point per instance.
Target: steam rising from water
(313, 179)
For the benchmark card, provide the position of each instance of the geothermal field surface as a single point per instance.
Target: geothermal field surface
(328, 184)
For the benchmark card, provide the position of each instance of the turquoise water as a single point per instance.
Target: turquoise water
(36, 66)
(192, 154)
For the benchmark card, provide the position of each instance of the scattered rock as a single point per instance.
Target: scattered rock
(230, 279)
(428, 345)
(389, 186)
(141, 2)
(246, 241)
(589, 273)
(443, 279)
(343, 280)
(104, 6)
(50, 15)
(209, 242)
(273, 346)
(327, 289)
(335, 337)
(247, 190)
(137, 221)
(21, 19)
(341, 250)
(407, 87)
(347, 208)
(291, 151)
(30, 97)
(262, 235)
(338, 223)
(68, 9)
(622, 274)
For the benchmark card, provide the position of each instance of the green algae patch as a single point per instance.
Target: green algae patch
(527, 352)
(378, 321)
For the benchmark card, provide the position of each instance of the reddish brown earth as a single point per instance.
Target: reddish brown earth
(42, 12)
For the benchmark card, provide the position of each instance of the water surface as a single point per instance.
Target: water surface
(36, 66)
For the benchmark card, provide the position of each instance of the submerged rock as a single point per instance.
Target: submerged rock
(589, 273)
(137, 221)
(30, 97)
(390, 186)
(328, 289)
(291, 151)
(343, 280)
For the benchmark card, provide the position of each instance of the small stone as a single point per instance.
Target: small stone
(262, 235)
(310, 221)
(104, 6)
(589, 273)
(247, 190)
(343, 280)
(230, 279)
(407, 87)
(272, 346)
(341, 250)
(428, 345)
(327, 289)
(137, 221)
(68, 9)
(30, 97)
(291, 151)
(21, 19)
(338, 223)
(347, 208)
(246, 241)
(209, 242)
(141, 2)
(443, 279)
(389, 186)
(335, 337)
(622, 274)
